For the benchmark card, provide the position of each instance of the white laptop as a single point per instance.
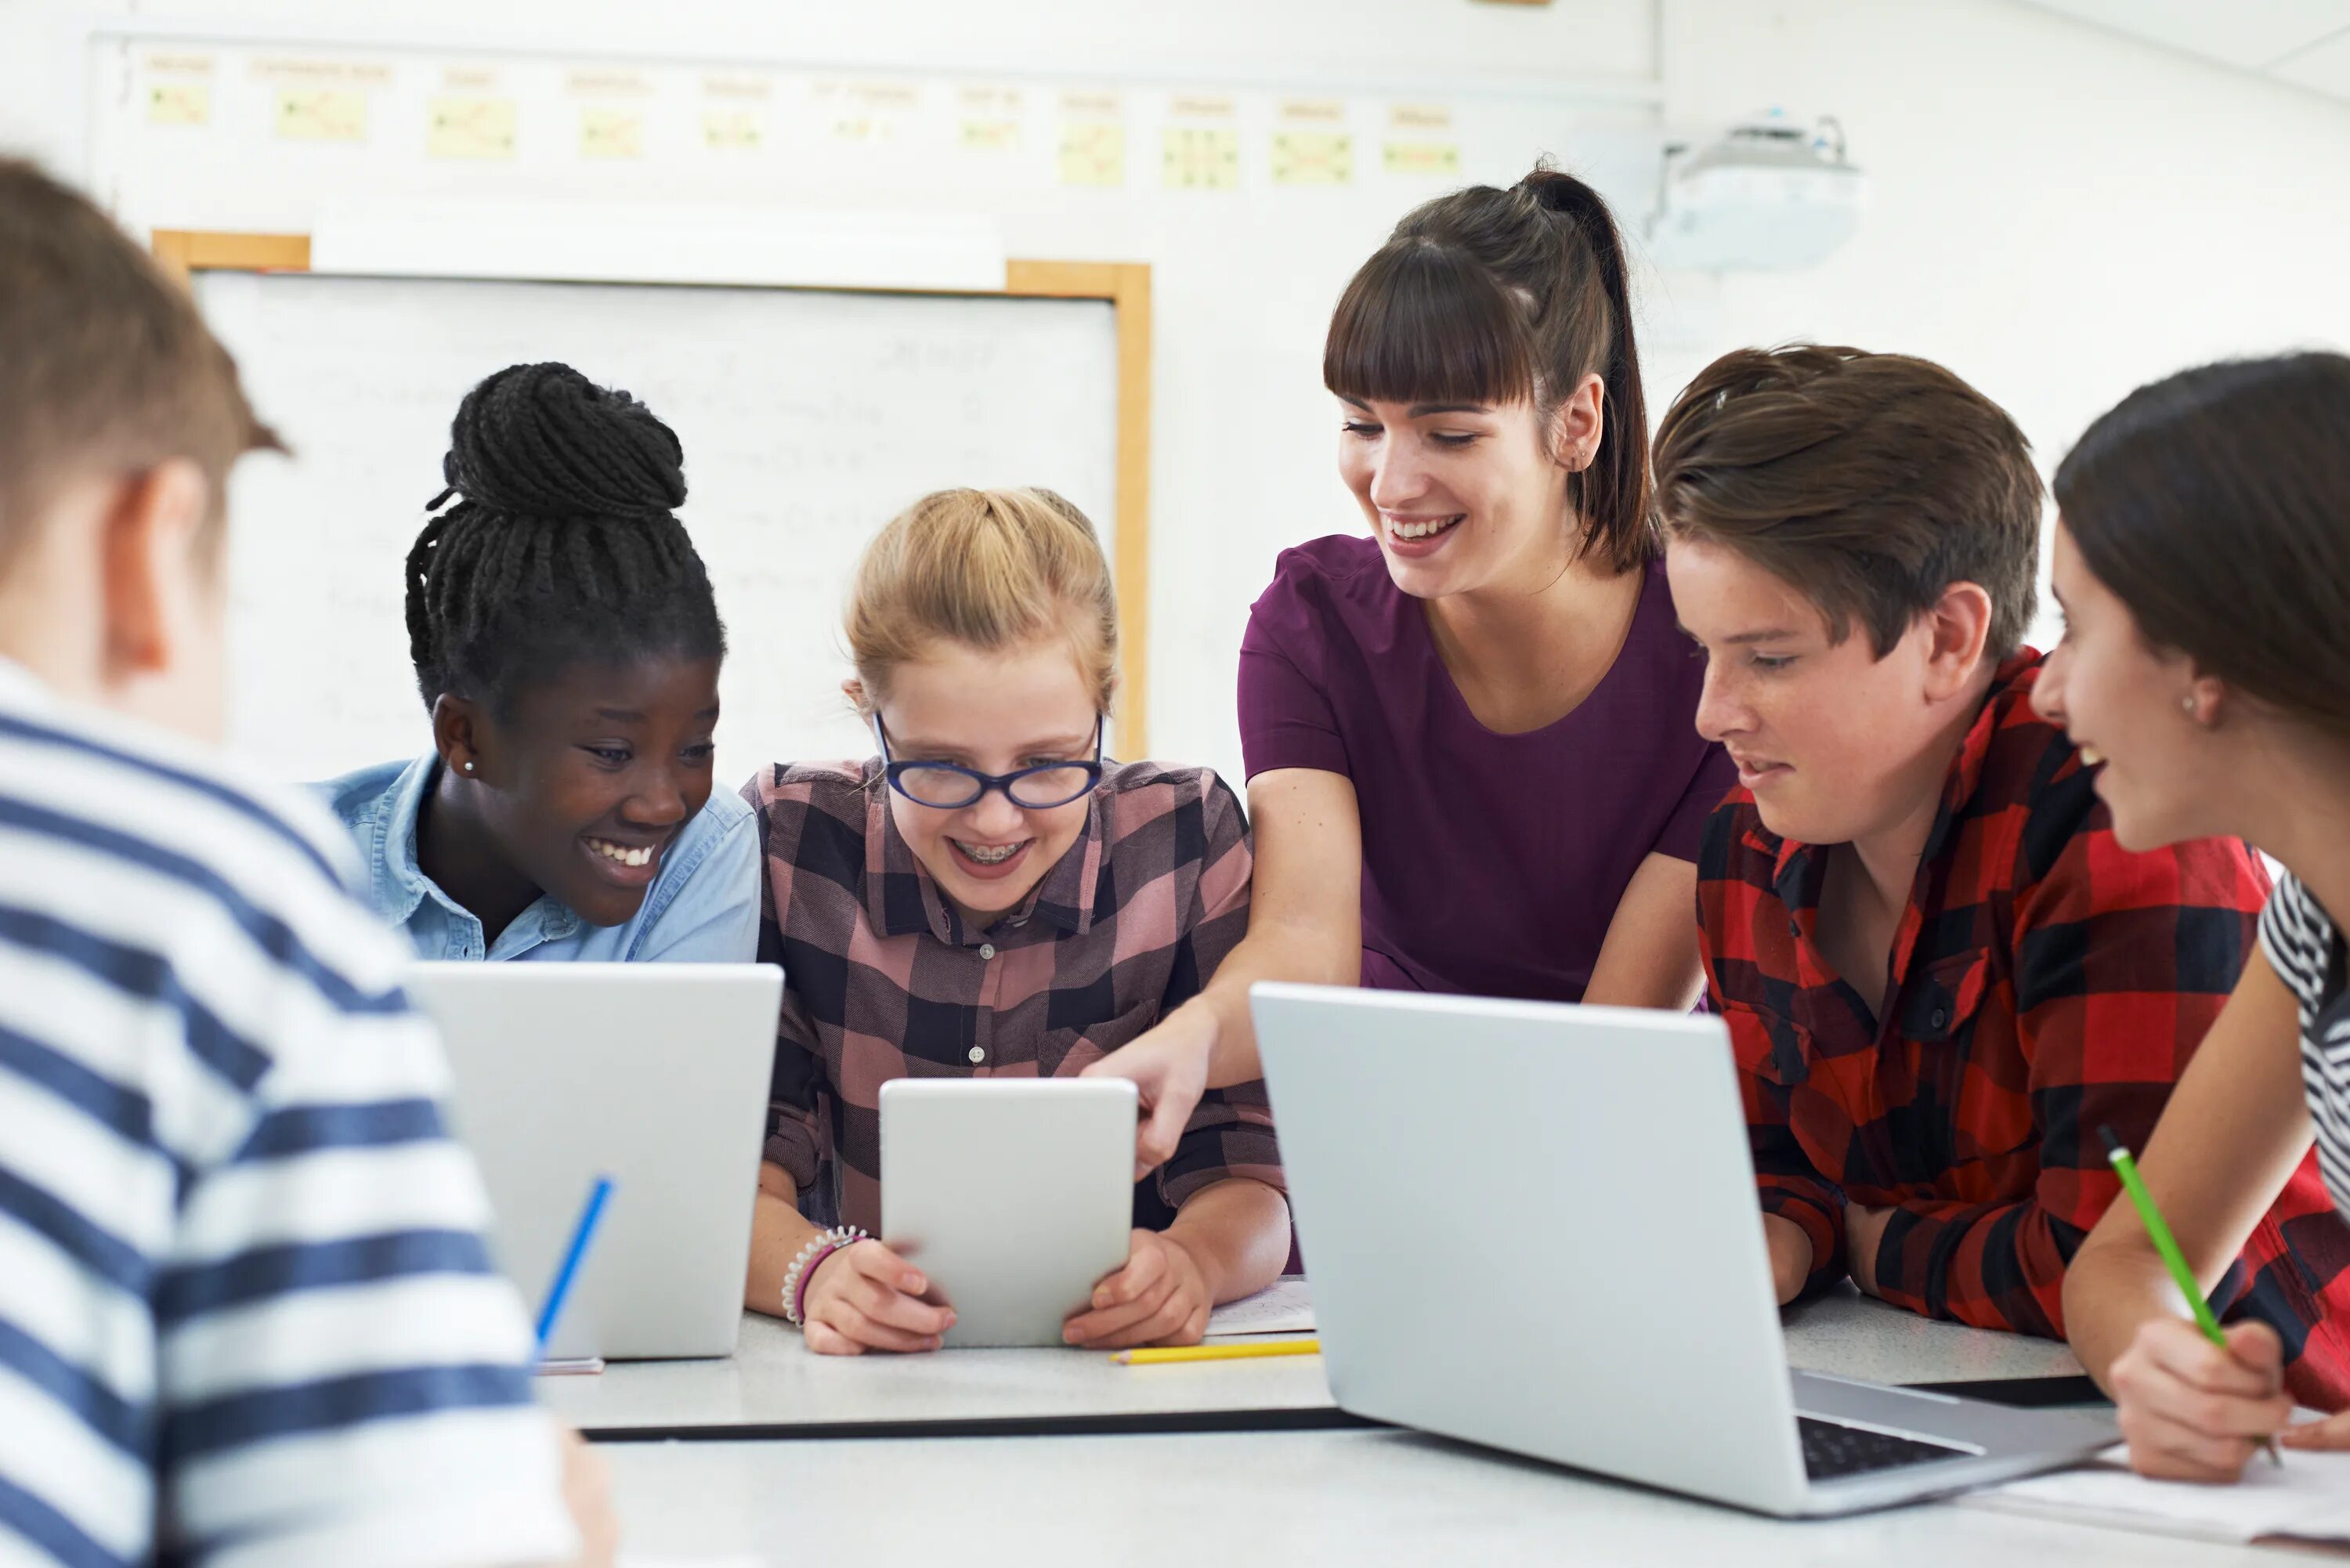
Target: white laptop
(1534, 1227)
(655, 1075)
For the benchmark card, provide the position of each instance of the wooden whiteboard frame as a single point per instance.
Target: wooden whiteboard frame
(1124, 285)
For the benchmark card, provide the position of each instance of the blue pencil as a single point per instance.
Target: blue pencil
(581, 1235)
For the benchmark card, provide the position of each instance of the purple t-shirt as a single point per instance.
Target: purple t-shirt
(1492, 863)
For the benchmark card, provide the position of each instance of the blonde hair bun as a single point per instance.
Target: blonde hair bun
(989, 569)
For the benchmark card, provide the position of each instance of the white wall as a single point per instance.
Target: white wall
(2057, 213)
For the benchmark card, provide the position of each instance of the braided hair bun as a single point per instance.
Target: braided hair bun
(543, 441)
(564, 543)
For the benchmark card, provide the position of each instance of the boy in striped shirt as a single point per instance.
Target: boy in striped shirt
(246, 1316)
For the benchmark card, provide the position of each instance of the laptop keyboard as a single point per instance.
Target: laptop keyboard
(1831, 1450)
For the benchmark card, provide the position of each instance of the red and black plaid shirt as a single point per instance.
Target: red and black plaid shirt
(2043, 981)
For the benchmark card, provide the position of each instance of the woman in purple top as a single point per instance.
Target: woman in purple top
(1471, 738)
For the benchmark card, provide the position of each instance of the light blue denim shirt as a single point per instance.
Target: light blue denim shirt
(703, 907)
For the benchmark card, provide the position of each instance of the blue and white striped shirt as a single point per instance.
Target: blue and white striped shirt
(246, 1315)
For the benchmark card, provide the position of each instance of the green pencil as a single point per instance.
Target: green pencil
(2167, 1245)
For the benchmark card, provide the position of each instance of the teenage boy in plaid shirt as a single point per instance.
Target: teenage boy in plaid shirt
(1940, 973)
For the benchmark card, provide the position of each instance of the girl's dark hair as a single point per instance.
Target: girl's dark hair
(2216, 504)
(1490, 295)
(564, 543)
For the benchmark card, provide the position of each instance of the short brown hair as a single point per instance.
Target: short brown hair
(2216, 504)
(104, 363)
(1490, 295)
(1869, 481)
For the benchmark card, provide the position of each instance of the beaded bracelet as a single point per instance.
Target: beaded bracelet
(803, 1267)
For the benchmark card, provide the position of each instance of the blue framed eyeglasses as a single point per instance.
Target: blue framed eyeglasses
(951, 787)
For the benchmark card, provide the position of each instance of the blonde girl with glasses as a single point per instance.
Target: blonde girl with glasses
(988, 896)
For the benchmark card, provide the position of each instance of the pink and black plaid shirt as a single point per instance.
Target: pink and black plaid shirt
(883, 980)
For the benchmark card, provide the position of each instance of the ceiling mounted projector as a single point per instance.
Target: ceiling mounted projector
(1768, 195)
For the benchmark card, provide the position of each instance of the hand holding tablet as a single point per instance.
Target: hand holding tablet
(1012, 1198)
(866, 1297)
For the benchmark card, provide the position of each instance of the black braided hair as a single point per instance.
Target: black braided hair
(564, 543)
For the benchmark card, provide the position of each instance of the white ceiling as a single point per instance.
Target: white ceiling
(2303, 42)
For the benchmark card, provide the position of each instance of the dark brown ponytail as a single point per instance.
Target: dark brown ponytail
(1491, 295)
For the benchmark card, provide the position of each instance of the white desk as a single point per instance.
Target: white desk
(1292, 1500)
(773, 1381)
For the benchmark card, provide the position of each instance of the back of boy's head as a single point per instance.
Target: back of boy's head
(1871, 482)
(106, 368)
(989, 569)
(563, 547)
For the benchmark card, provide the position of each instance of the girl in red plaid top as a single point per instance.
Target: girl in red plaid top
(1943, 971)
(2203, 562)
(987, 895)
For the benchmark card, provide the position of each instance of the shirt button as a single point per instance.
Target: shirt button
(1941, 1016)
(977, 1055)
(986, 950)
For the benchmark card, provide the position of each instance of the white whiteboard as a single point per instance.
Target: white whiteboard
(809, 419)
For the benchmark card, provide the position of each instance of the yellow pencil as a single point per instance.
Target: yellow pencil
(1226, 1352)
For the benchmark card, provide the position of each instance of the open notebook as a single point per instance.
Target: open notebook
(2306, 1499)
(1284, 1306)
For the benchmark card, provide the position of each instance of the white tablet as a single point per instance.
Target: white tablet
(1013, 1195)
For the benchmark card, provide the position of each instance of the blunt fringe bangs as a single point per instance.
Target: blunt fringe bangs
(1423, 322)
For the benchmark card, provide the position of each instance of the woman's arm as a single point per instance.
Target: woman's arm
(2229, 1140)
(1306, 924)
(1649, 956)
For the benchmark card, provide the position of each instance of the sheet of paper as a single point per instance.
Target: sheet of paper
(628, 1560)
(2308, 1498)
(1286, 1306)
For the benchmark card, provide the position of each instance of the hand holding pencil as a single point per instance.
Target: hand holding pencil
(2195, 1400)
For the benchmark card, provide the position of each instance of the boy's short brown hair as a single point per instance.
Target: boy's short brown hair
(1869, 481)
(105, 365)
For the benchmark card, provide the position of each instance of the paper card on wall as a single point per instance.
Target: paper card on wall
(321, 114)
(865, 111)
(1093, 152)
(1439, 158)
(178, 103)
(1312, 157)
(608, 84)
(176, 63)
(607, 132)
(348, 74)
(990, 136)
(1409, 119)
(1202, 157)
(734, 129)
(734, 116)
(991, 102)
(1328, 114)
(471, 128)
